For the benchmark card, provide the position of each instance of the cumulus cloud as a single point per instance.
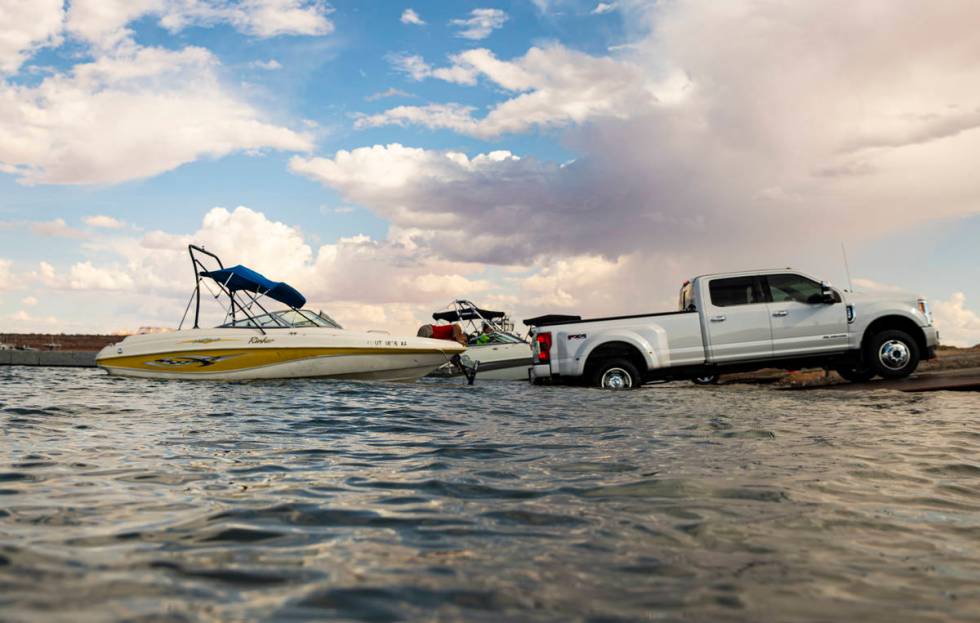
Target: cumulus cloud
(46, 275)
(958, 325)
(270, 18)
(56, 228)
(480, 23)
(437, 116)
(604, 7)
(22, 320)
(104, 222)
(415, 67)
(356, 279)
(104, 22)
(25, 26)
(700, 151)
(409, 16)
(269, 65)
(134, 113)
(356, 269)
(390, 92)
(85, 276)
(552, 86)
(494, 207)
(128, 111)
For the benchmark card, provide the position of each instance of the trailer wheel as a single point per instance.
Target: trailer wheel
(893, 354)
(855, 374)
(706, 379)
(616, 374)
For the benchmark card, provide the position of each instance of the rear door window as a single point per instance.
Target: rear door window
(788, 287)
(733, 291)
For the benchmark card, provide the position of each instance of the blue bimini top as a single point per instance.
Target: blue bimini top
(242, 278)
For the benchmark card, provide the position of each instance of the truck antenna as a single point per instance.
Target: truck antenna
(847, 269)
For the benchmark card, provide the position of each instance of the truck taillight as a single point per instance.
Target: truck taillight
(543, 341)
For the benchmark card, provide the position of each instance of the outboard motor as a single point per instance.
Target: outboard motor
(454, 333)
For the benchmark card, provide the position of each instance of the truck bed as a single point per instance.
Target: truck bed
(663, 340)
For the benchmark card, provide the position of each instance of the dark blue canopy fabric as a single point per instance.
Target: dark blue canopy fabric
(242, 278)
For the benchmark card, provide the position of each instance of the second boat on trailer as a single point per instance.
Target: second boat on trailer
(255, 343)
(495, 351)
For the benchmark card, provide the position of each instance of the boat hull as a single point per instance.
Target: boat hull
(497, 362)
(233, 355)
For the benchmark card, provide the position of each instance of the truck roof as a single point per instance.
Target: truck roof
(744, 273)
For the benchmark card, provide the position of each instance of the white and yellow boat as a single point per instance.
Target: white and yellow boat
(291, 343)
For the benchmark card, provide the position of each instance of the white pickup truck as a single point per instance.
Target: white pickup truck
(736, 322)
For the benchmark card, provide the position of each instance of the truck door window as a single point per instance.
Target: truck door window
(784, 287)
(735, 291)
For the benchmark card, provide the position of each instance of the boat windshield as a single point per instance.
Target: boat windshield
(285, 319)
(497, 337)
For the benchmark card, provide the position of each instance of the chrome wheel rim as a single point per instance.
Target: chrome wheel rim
(894, 354)
(617, 378)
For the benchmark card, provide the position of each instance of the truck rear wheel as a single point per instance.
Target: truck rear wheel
(892, 354)
(616, 374)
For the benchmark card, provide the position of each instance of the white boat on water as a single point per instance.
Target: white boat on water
(495, 351)
(256, 343)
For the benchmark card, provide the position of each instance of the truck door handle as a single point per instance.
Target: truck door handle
(717, 319)
(780, 314)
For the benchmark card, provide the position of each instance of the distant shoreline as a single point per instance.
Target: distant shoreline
(79, 342)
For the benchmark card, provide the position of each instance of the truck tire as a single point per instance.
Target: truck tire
(855, 374)
(616, 374)
(892, 354)
(706, 379)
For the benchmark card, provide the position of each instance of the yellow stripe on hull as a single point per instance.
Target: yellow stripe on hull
(210, 361)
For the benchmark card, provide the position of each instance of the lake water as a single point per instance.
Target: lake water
(158, 501)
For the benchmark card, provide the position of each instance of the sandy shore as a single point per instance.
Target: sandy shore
(947, 358)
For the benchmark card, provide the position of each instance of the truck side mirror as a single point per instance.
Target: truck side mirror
(827, 294)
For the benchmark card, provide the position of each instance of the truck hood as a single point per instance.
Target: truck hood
(896, 296)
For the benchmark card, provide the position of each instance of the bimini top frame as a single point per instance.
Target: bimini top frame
(244, 288)
(474, 318)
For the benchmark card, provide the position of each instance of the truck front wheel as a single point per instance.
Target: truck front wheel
(616, 374)
(892, 354)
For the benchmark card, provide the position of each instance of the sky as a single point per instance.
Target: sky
(535, 156)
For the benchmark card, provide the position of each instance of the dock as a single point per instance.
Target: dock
(52, 358)
(964, 380)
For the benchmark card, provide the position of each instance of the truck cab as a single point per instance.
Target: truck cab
(769, 315)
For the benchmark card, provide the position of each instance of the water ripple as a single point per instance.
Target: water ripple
(304, 500)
